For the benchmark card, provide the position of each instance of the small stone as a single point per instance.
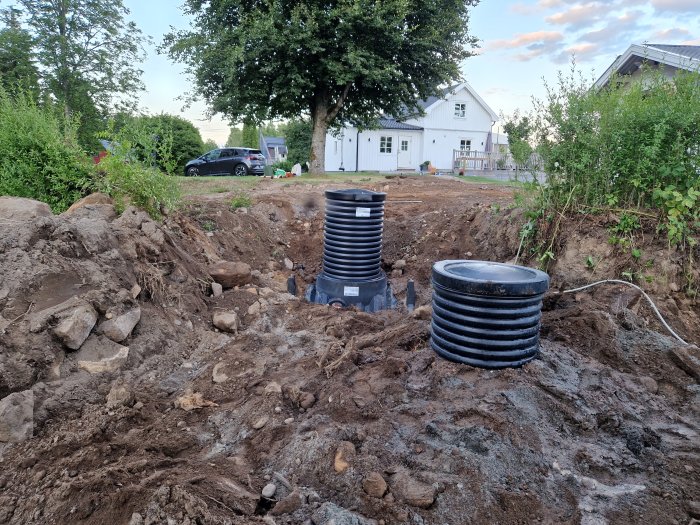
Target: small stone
(374, 485)
(649, 383)
(17, 417)
(76, 327)
(136, 519)
(135, 291)
(230, 274)
(138, 405)
(289, 420)
(424, 312)
(688, 468)
(181, 424)
(278, 410)
(100, 354)
(344, 455)
(289, 504)
(674, 287)
(109, 315)
(400, 264)
(269, 490)
(216, 289)
(120, 327)
(288, 264)
(469, 254)
(693, 508)
(273, 388)
(254, 309)
(120, 395)
(412, 491)
(396, 273)
(226, 321)
(307, 400)
(218, 375)
(260, 422)
(589, 483)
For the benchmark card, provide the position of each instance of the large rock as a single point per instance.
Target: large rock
(120, 327)
(687, 358)
(411, 491)
(229, 274)
(20, 209)
(100, 354)
(17, 417)
(90, 200)
(76, 326)
(226, 321)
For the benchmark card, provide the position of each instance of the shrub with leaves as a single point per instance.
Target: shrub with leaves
(131, 177)
(39, 155)
(630, 145)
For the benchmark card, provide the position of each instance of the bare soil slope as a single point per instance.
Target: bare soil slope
(337, 416)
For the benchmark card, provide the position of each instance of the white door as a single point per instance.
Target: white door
(404, 160)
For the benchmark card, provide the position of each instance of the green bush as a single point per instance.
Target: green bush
(285, 165)
(629, 145)
(39, 155)
(130, 180)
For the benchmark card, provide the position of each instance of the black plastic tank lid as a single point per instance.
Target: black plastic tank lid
(490, 278)
(356, 195)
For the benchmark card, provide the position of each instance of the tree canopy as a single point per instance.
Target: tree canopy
(17, 64)
(334, 61)
(88, 53)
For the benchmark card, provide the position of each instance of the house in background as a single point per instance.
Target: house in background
(459, 120)
(669, 59)
(274, 149)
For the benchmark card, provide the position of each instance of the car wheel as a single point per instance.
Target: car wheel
(241, 170)
(193, 172)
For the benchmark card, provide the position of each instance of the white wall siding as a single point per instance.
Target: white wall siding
(442, 116)
(344, 149)
(442, 143)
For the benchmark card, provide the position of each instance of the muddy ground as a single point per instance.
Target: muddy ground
(337, 416)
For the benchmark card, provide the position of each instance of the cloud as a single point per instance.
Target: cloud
(674, 33)
(581, 52)
(578, 16)
(695, 42)
(616, 29)
(680, 6)
(526, 40)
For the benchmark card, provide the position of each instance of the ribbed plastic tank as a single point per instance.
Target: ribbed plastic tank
(352, 252)
(486, 314)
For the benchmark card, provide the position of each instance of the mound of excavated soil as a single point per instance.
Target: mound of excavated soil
(135, 391)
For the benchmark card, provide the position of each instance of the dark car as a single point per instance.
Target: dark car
(227, 161)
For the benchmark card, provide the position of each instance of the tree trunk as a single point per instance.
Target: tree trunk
(317, 165)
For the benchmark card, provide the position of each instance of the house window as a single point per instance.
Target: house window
(404, 145)
(465, 145)
(460, 110)
(385, 144)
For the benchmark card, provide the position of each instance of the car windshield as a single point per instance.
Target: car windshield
(254, 152)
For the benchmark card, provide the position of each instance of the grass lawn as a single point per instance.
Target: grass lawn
(224, 184)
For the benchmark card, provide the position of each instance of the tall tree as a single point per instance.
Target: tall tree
(250, 134)
(235, 137)
(17, 66)
(88, 53)
(518, 130)
(335, 61)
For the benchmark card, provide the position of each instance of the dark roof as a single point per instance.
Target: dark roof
(686, 51)
(275, 141)
(424, 104)
(390, 123)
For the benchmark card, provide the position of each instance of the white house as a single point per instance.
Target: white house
(458, 120)
(668, 59)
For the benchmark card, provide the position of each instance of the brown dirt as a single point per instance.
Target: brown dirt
(602, 428)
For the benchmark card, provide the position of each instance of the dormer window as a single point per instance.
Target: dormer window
(460, 110)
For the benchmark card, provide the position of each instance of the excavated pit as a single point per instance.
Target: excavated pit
(350, 415)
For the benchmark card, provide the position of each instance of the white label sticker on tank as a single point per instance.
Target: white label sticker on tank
(351, 291)
(362, 212)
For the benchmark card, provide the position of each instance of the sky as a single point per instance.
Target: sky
(522, 43)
